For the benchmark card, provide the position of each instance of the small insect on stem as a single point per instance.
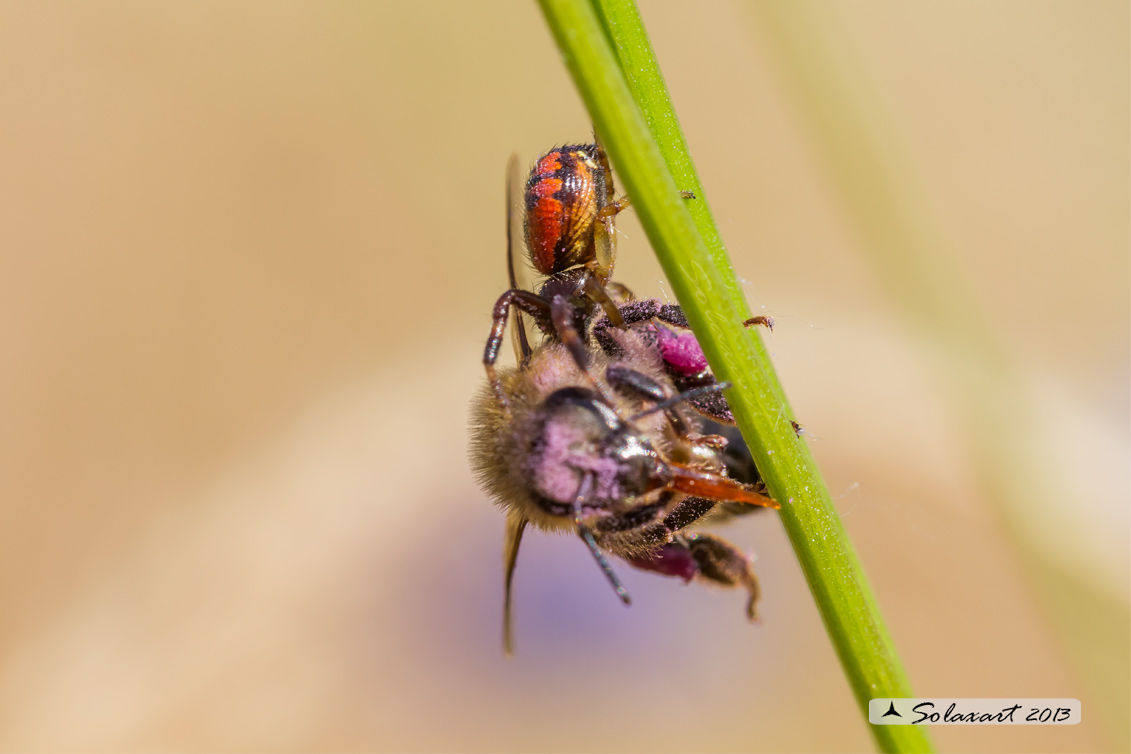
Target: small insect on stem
(764, 321)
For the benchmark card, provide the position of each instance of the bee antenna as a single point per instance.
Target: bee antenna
(583, 530)
(516, 524)
(688, 395)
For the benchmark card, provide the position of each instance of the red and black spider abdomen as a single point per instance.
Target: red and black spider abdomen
(564, 192)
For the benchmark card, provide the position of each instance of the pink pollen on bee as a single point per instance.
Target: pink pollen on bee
(670, 560)
(682, 351)
(564, 457)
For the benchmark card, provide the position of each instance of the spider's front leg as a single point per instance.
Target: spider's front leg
(525, 301)
(556, 315)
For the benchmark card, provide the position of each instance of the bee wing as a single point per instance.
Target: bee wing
(518, 274)
(516, 525)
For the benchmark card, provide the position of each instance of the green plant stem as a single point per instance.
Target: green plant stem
(706, 287)
(915, 260)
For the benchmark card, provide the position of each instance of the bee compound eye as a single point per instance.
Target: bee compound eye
(579, 435)
(567, 444)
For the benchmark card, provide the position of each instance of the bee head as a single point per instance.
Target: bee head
(577, 434)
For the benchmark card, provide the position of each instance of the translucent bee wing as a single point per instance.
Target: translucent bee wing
(516, 525)
(518, 274)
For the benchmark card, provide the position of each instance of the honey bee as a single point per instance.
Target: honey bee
(610, 441)
(657, 332)
(618, 459)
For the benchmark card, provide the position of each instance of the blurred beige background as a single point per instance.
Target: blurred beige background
(247, 256)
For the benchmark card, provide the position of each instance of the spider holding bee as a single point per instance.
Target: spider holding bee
(568, 225)
(607, 441)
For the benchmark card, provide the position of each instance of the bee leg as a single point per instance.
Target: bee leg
(706, 398)
(704, 557)
(688, 511)
(722, 563)
(713, 406)
(696, 555)
(703, 393)
(639, 311)
(637, 530)
(631, 312)
(531, 303)
(669, 559)
(685, 363)
(633, 384)
(686, 396)
(587, 536)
